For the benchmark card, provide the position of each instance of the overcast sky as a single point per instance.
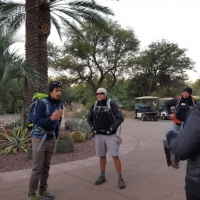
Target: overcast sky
(177, 21)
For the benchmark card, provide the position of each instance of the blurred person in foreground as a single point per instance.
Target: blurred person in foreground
(186, 145)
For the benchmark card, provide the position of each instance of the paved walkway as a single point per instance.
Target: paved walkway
(145, 172)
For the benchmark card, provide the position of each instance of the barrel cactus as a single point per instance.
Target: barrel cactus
(77, 136)
(65, 144)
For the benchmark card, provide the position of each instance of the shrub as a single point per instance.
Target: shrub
(82, 125)
(18, 141)
(69, 123)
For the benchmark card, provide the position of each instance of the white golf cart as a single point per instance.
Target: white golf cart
(162, 112)
(144, 108)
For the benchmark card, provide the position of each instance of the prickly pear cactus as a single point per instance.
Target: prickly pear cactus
(77, 136)
(65, 144)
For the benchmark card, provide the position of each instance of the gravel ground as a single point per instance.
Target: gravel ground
(14, 162)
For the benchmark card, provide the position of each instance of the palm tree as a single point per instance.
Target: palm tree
(39, 15)
(43, 14)
(13, 71)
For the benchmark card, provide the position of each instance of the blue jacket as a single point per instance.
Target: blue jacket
(43, 120)
(186, 145)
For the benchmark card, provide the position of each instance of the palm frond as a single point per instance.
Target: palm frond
(92, 5)
(12, 14)
(57, 26)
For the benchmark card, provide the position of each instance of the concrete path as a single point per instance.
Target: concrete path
(145, 171)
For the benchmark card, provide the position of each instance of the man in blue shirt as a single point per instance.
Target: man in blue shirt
(44, 134)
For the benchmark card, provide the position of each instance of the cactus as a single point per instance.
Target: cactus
(77, 136)
(29, 152)
(65, 144)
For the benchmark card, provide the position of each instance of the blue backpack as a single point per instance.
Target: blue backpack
(32, 108)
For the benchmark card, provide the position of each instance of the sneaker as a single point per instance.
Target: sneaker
(32, 198)
(121, 184)
(100, 180)
(46, 194)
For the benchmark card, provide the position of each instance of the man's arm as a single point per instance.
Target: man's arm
(187, 143)
(118, 115)
(90, 118)
(169, 103)
(45, 121)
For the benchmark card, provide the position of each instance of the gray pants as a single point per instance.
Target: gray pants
(177, 129)
(41, 165)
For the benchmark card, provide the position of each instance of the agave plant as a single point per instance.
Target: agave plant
(17, 142)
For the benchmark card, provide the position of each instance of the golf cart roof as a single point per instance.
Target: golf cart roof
(167, 98)
(147, 97)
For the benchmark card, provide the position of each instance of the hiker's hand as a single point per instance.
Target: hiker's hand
(108, 131)
(94, 130)
(172, 116)
(57, 114)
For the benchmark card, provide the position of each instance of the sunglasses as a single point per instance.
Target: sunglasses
(99, 93)
(56, 83)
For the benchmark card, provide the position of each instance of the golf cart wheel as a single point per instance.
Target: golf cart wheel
(134, 115)
(143, 118)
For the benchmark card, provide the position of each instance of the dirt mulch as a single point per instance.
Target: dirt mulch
(20, 161)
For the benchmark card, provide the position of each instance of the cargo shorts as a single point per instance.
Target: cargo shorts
(106, 143)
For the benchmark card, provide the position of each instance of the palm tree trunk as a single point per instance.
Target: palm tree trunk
(31, 47)
(43, 68)
(44, 31)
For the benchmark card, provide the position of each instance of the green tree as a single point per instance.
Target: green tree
(39, 14)
(13, 71)
(196, 87)
(162, 64)
(100, 58)
(43, 13)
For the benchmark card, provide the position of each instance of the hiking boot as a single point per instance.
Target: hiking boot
(121, 184)
(46, 194)
(32, 198)
(174, 165)
(100, 180)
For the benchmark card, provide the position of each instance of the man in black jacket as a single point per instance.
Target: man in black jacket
(104, 120)
(186, 145)
(182, 105)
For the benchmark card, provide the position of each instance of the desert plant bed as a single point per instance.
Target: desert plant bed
(20, 161)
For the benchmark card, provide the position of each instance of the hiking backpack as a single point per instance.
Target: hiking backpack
(32, 108)
(110, 113)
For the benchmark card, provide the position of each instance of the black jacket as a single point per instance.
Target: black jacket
(182, 108)
(102, 120)
(186, 145)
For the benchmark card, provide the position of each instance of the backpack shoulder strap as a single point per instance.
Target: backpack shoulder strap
(95, 105)
(108, 103)
(46, 102)
(193, 100)
(178, 100)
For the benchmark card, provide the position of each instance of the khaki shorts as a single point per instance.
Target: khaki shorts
(106, 143)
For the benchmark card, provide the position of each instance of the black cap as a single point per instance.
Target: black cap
(188, 89)
(54, 84)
